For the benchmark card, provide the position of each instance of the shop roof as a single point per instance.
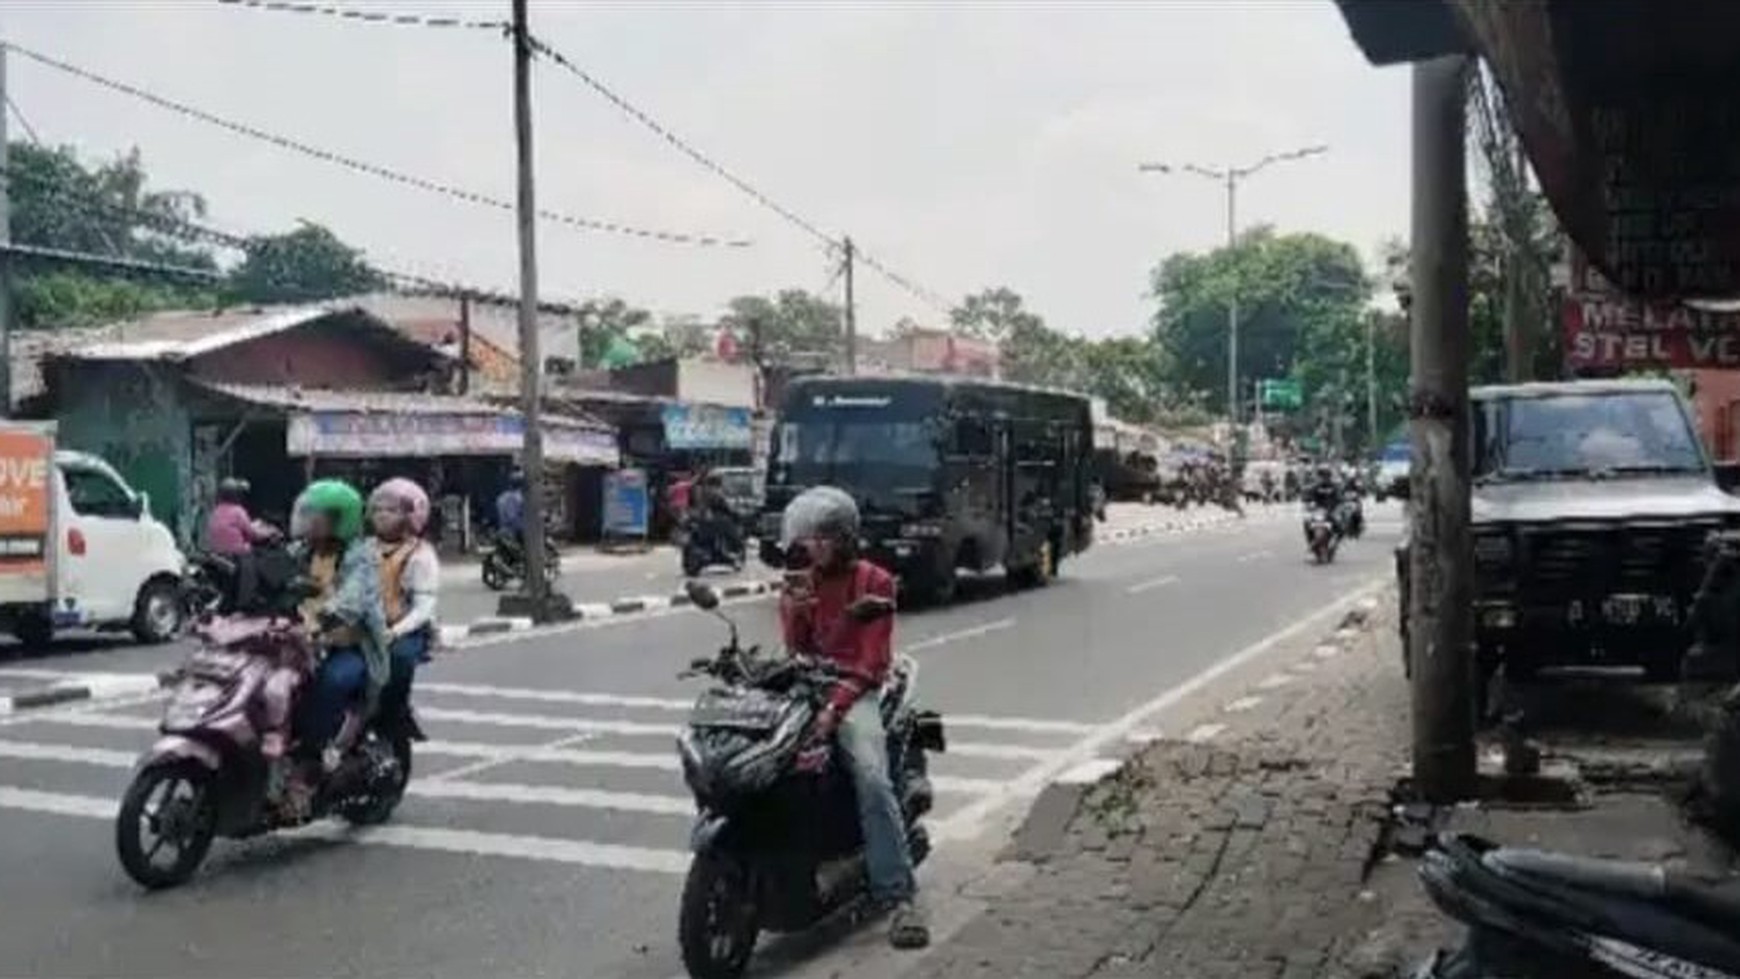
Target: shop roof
(291, 399)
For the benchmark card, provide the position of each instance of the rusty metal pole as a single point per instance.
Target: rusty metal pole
(1440, 554)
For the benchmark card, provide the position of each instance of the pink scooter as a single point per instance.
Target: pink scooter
(223, 766)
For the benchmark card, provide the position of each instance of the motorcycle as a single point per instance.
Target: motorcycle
(220, 767)
(504, 564)
(1321, 535)
(777, 845)
(1533, 913)
(704, 546)
(1351, 516)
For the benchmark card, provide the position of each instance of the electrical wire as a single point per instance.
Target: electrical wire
(541, 47)
(372, 169)
(368, 16)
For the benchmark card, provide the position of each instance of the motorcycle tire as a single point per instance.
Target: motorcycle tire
(693, 563)
(495, 577)
(135, 854)
(717, 924)
(376, 810)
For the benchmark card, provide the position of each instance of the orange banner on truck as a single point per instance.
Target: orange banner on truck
(26, 479)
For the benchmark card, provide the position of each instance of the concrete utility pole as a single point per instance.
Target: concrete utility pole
(1371, 431)
(851, 311)
(1518, 331)
(1440, 554)
(5, 254)
(1229, 177)
(535, 599)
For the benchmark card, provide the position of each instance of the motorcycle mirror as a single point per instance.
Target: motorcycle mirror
(869, 608)
(703, 595)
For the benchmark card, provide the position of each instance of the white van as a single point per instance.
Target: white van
(111, 565)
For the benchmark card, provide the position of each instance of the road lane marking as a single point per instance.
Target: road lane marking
(1274, 680)
(1204, 732)
(1255, 556)
(1029, 724)
(553, 696)
(1150, 584)
(968, 821)
(968, 633)
(543, 849)
(1242, 704)
(452, 784)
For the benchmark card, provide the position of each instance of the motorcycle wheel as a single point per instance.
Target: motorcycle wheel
(376, 809)
(717, 926)
(693, 564)
(154, 805)
(495, 577)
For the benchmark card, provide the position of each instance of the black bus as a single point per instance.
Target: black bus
(949, 473)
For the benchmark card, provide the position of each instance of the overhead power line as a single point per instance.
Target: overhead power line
(372, 169)
(368, 16)
(688, 149)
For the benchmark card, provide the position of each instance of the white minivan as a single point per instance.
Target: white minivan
(112, 565)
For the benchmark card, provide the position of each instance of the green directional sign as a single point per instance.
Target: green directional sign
(1280, 395)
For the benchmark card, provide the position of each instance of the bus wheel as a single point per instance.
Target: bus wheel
(1040, 572)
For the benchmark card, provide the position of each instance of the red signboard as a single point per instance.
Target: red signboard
(1608, 331)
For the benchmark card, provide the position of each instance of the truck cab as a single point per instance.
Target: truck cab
(110, 564)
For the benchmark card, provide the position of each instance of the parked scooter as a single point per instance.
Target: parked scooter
(222, 765)
(705, 544)
(504, 562)
(1535, 914)
(776, 848)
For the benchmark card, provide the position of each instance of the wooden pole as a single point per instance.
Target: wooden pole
(1440, 555)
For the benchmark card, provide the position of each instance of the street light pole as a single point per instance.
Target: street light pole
(1229, 178)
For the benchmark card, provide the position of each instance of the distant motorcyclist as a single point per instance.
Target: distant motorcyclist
(711, 514)
(1323, 490)
(510, 515)
(825, 577)
(230, 530)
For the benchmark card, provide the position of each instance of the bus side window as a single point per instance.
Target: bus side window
(972, 438)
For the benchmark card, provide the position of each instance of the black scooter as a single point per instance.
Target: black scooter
(504, 563)
(1536, 914)
(707, 543)
(776, 848)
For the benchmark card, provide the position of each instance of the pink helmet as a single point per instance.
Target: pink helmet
(408, 496)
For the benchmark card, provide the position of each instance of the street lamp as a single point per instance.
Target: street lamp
(1229, 177)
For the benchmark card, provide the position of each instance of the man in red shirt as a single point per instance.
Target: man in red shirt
(826, 578)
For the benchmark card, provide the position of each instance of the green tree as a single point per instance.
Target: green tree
(607, 323)
(105, 210)
(305, 265)
(1300, 298)
(675, 336)
(791, 326)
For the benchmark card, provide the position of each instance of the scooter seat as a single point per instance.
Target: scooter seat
(1620, 878)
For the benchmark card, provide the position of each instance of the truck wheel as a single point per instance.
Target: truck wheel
(157, 612)
(35, 630)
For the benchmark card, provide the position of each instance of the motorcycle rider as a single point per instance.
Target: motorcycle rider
(347, 611)
(510, 517)
(825, 576)
(1323, 493)
(230, 530)
(712, 518)
(410, 581)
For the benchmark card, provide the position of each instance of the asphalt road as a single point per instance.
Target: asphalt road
(546, 829)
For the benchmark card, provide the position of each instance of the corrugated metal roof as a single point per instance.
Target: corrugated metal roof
(380, 402)
(179, 335)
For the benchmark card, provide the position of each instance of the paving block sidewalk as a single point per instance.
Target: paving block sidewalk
(1241, 854)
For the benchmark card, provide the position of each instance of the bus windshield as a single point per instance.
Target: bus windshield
(829, 450)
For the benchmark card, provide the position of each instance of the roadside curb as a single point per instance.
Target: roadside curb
(98, 687)
(591, 611)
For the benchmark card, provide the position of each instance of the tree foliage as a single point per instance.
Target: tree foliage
(111, 210)
(792, 326)
(305, 265)
(606, 324)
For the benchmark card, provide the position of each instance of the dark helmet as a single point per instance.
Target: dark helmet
(232, 489)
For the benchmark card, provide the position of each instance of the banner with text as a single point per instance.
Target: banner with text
(1606, 331)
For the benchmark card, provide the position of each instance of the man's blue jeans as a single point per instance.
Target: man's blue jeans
(340, 682)
(864, 745)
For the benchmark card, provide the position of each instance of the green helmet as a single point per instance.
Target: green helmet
(335, 497)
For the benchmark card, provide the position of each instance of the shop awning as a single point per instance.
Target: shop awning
(346, 424)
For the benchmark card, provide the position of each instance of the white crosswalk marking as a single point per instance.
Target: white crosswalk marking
(502, 759)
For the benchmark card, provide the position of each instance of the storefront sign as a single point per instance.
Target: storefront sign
(366, 434)
(696, 426)
(1605, 331)
(625, 503)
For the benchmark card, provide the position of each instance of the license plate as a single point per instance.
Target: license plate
(1624, 609)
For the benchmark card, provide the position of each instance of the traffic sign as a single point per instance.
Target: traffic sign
(1280, 395)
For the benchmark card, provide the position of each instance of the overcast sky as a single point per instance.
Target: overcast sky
(964, 144)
